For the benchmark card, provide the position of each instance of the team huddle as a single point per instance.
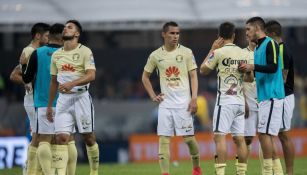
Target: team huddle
(254, 95)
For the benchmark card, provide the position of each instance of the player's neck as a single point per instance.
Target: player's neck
(35, 44)
(55, 42)
(251, 47)
(278, 39)
(261, 35)
(70, 45)
(169, 47)
(228, 41)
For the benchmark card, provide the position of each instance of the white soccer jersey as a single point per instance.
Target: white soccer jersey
(250, 89)
(226, 61)
(71, 65)
(173, 70)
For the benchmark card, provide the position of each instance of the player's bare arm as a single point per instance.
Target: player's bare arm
(52, 92)
(16, 75)
(89, 76)
(194, 88)
(246, 67)
(205, 70)
(148, 86)
(246, 115)
(248, 77)
(23, 60)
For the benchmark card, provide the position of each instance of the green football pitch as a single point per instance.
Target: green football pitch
(183, 168)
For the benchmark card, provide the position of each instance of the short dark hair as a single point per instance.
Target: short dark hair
(273, 26)
(77, 23)
(39, 28)
(168, 24)
(55, 32)
(256, 20)
(56, 29)
(226, 30)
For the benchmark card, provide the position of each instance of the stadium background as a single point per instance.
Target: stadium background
(122, 34)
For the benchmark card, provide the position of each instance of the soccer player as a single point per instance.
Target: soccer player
(225, 57)
(251, 105)
(72, 70)
(38, 68)
(274, 30)
(175, 64)
(270, 88)
(39, 33)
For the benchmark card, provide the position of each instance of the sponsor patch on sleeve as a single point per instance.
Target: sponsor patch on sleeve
(211, 56)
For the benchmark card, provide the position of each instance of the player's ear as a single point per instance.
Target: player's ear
(163, 34)
(37, 36)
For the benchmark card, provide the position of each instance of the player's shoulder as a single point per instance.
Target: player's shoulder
(184, 48)
(156, 52)
(28, 48)
(83, 48)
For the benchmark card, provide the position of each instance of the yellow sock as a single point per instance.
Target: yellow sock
(60, 159)
(31, 161)
(220, 168)
(53, 150)
(93, 157)
(241, 168)
(277, 167)
(194, 151)
(44, 157)
(267, 166)
(72, 158)
(164, 154)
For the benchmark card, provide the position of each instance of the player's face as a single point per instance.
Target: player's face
(44, 38)
(70, 31)
(171, 37)
(250, 31)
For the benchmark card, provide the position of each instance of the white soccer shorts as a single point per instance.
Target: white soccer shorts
(74, 109)
(43, 125)
(172, 119)
(229, 119)
(30, 110)
(288, 107)
(251, 123)
(270, 116)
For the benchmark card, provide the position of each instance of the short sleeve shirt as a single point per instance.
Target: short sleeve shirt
(173, 69)
(226, 61)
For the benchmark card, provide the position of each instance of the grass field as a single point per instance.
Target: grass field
(184, 168)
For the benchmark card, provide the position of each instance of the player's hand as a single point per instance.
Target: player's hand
(23, 60)
(217, 43)
(246, 115)
(28, 87)
(193, 106)
(49, 114)
(246, 67)
(66, 87)
(158, 98)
